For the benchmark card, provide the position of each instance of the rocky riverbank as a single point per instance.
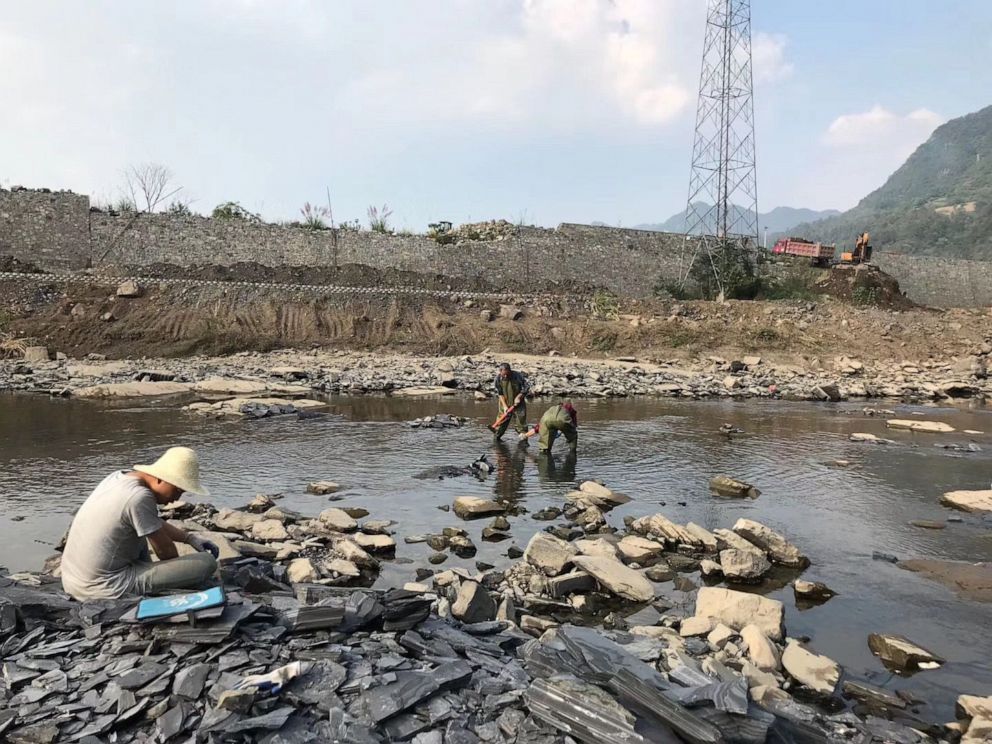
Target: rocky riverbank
(296, 374)
(575, 641)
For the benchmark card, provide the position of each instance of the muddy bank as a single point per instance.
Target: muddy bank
(969, 580)
(79, 318)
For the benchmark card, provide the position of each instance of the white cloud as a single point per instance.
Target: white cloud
(859, 151)
(551, 62)
(768, 57)
(879, 126)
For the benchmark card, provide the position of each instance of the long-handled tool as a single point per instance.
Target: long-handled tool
(502, 418)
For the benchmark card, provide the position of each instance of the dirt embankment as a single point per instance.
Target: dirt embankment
(176, 321)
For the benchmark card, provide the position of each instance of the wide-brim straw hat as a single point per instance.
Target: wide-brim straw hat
(180, 467)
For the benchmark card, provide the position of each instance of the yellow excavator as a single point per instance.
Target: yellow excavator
(861, 253)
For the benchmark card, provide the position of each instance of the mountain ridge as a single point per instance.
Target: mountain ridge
(937, 203)
(779, 219)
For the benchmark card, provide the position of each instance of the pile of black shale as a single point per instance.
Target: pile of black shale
(363, 666)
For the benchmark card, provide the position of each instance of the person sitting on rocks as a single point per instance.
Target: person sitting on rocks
(561, 419)
(106, 552)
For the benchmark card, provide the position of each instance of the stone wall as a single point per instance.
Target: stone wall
(47, 228)
(57, 230)
(941, 282)
(629, 262)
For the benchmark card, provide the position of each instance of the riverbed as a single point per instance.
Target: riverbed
(661, 452)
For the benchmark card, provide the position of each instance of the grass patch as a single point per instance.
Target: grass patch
(681, 337)
(866, 296)
(605, 305)
(604, 341)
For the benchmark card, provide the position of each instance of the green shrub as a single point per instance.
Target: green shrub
(234, 211)
(314, 216)
(798, 283)
(124, 206)
(178, 209)
(379, 218)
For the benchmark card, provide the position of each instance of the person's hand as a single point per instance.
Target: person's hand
(202, 545)
(518, 399)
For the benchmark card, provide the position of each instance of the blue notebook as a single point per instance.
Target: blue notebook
(178, 604)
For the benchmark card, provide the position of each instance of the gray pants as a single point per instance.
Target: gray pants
(186, 572)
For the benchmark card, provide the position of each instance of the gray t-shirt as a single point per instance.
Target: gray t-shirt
(107, 538)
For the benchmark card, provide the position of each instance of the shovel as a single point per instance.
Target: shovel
(502, 418)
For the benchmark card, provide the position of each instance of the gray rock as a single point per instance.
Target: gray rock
(549, 554)
(901, 654)
(473, 603)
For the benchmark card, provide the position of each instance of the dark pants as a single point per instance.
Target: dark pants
(519, 420)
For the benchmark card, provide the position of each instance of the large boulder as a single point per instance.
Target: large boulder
(900, 654)
(549, 554)
(745, 567)
(706, 539)
(969, 501)
(760, 650)
(473, 603)
(36, 354)
(598, 547)
(737, 609)
(471, 507)
(337, 520)
(375, 543)
(301, 570)
(349, 550)
(591, 493)
(779, 549)
(812, 670)
(616, 578)
(658, 525)
(639, 549)
(269, 530)
(930, 427)
(230, 520)
(726, 539)
(132, 390)
(974, 706)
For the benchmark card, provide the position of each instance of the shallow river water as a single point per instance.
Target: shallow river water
(52, 453)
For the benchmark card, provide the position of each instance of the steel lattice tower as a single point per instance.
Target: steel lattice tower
(722, 210)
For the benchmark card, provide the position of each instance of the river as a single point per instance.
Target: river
(52, 453)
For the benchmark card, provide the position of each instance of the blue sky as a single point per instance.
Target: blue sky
(540, 110)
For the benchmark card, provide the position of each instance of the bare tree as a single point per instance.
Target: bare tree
(149, 185)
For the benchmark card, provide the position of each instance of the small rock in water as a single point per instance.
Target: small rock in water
(877, 555)
(471, 507)
(812, 591)
(322, 488)
(723, 485)
(928, 524)
(900, 654)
